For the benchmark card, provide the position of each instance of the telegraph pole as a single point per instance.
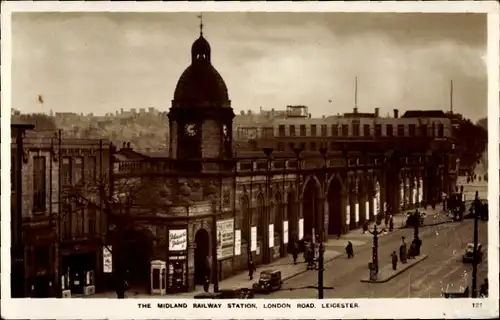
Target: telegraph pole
(474, 253)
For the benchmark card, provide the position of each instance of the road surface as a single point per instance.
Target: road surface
(444, 245)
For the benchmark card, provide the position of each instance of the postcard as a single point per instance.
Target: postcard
(320, 160)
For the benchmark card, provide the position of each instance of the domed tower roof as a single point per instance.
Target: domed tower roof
(200, 84)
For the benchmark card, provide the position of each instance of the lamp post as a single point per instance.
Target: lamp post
(474, 253)
(321, 260)
(267, 152)
(375, 234)
(297, 152)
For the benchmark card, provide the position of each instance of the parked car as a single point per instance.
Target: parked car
(469, 253)
(269, 280)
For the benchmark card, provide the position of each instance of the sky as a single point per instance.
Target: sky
(102, 62)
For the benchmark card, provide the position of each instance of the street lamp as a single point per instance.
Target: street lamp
(375, 233)
(321, 260)
(474, 253)
(267, 152)
(297, 152)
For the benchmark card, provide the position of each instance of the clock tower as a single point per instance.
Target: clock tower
(201, 116)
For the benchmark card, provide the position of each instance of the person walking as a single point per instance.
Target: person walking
(295, 251)
(349, 250)
(402, 251)
(394, 258)
(206, 284)
(251, 268)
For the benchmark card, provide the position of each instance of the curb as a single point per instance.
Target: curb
(304, 271)
(395, 274)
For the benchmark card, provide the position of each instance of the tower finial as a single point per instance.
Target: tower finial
(201, 23)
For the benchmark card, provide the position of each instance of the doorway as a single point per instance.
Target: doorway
(201, 267)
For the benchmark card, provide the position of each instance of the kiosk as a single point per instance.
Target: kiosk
(158, 277)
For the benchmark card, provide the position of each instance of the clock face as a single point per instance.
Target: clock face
(190, 129)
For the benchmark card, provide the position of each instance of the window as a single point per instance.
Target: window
(302, 146)
(303, 130)
(79, 221)
(66, 220)
(378, 130)
(355, 129)
(42, 257)
(401, 130)
(292, 130)
(389, 130)
(423, 130)
(39, 184)
(281, 146)
(79, 173)
(91, 220)
(440, 130)
(291, 146)
(333, 146)
(66, 171)
(313, 146)
(335, 130)
(281, 130)
(366, 130)
(323, 130)
(91, 169)
(411, 130)
(345, 130)
(314, 130)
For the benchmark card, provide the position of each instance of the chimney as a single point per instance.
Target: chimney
(377, 112)
(355, 110)
(309, 116)
(396, 113)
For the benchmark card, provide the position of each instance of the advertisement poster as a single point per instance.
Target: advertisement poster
(177, 239)
(378, 204)
(237, 242)
(301, 229)
(421, 192)
(348, 215)
(271, 235)
(225, 238)
(253, 239)
(107, 259)
(414, 196)
(367, 210)
(356, 212)
(285, 232)
(375, 206)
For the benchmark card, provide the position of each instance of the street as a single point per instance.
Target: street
(444, 245)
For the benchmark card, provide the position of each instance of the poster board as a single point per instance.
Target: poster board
(285, 232)
(237, 242)
(301, 229)
(225, 238)
(253, 239)
(271, 235)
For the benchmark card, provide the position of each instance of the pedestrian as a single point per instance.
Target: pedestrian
(402, 251)
(251, 268)
(206, 284)
(483, 292)
(411, 250)
(349, 250)
(365, 226)
(295, 251)
(394, 258)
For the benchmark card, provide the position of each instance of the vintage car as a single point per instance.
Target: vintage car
(269, 280)
(469, 252)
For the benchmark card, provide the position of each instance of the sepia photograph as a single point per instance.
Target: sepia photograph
(171, 156)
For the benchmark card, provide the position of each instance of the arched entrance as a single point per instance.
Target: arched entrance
(293, 232)
(310, 209)
(261, 223)
(137, 252)
(335, 207)
(201, 267)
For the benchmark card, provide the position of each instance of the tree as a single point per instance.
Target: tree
(122, 204)
(471, 142)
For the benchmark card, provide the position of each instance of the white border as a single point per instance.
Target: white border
(372, 308)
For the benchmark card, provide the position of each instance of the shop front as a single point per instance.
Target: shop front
(176, 277)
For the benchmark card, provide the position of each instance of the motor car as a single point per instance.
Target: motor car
(269, 280)
(469, 253)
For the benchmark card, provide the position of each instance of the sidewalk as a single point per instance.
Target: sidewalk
(240, 280)
(386, 273)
